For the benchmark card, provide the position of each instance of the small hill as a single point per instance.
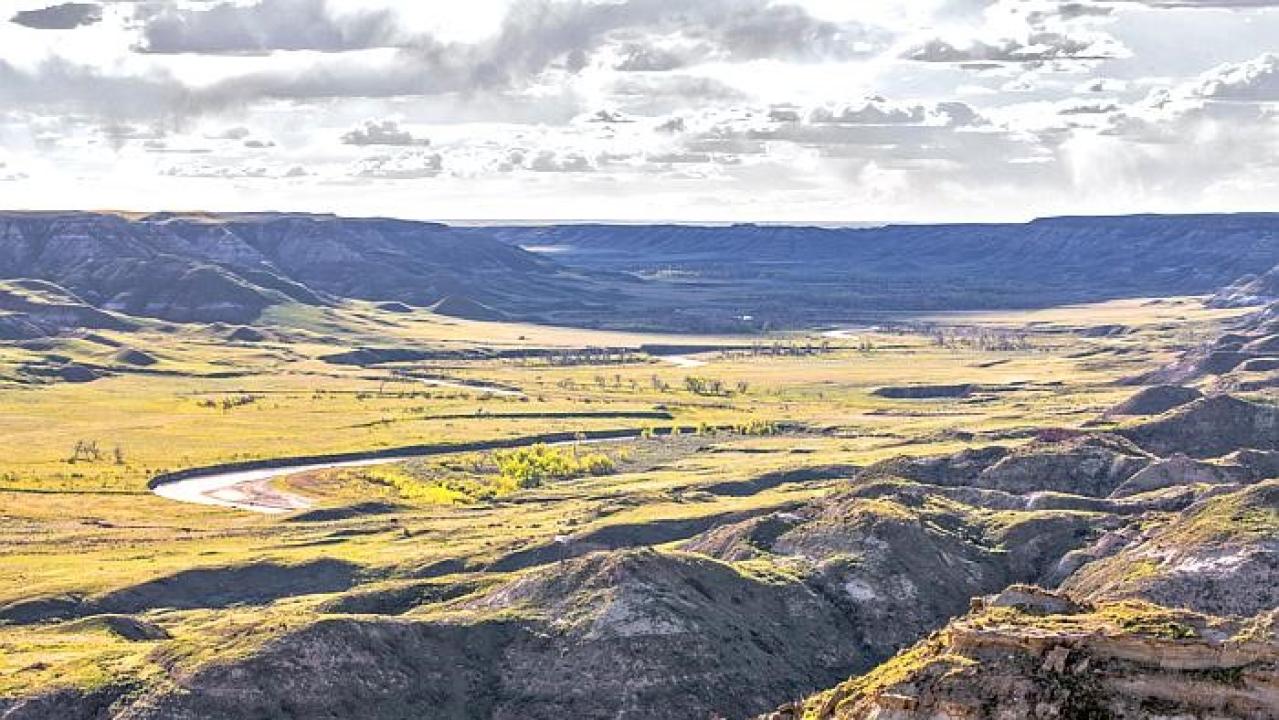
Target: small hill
(246, 335)
(136, 358)
(1180, 470)
(890, 541)
(1241, 359)
(460, 306)
(1155, 401)
(638, 633)
(34, 308)
(1209, 427)
(1085, 464)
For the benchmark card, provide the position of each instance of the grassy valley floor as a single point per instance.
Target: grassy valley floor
(147, 589)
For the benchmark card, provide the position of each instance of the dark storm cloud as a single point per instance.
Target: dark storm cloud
(66, 16)
(262, 27)
(539, 33)
(535, 37)
(60, 86)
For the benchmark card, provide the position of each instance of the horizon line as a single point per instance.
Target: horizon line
(541, 222)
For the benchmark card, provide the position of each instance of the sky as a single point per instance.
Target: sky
(642, 110)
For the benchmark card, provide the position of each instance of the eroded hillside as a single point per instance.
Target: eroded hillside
(232, 267)
(407, 514)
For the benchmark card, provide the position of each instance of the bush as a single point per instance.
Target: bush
(704, 385)
(756, 426)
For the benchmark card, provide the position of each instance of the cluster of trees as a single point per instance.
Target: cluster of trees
(229, 402)
(780, 348)
(984, 339)
(696, 384)
(591, 356)
(603, 382)
(754, 426)
(699, 385)
(88, 451)
(532, 466)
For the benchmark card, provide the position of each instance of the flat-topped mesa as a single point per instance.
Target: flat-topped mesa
(230, 267)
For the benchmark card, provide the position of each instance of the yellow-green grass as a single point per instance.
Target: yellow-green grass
(91, 526)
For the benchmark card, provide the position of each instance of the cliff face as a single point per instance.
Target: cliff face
(1126, 256)
(231, 267)
(795, 276)
(1026, 653)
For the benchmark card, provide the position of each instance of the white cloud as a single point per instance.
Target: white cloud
(679, 107)
(1035, 47)
(381, 132)
(1254, 81)
(404, 165)
(551, 161)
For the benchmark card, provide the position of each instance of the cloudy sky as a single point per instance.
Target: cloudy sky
(783, 110)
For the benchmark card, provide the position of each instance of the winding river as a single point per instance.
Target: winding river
(248, 485)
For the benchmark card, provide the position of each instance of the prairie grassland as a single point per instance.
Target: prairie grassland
(85, 524)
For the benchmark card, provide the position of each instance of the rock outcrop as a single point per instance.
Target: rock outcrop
(1027, 654)
(903, 558)
(1220, 556)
